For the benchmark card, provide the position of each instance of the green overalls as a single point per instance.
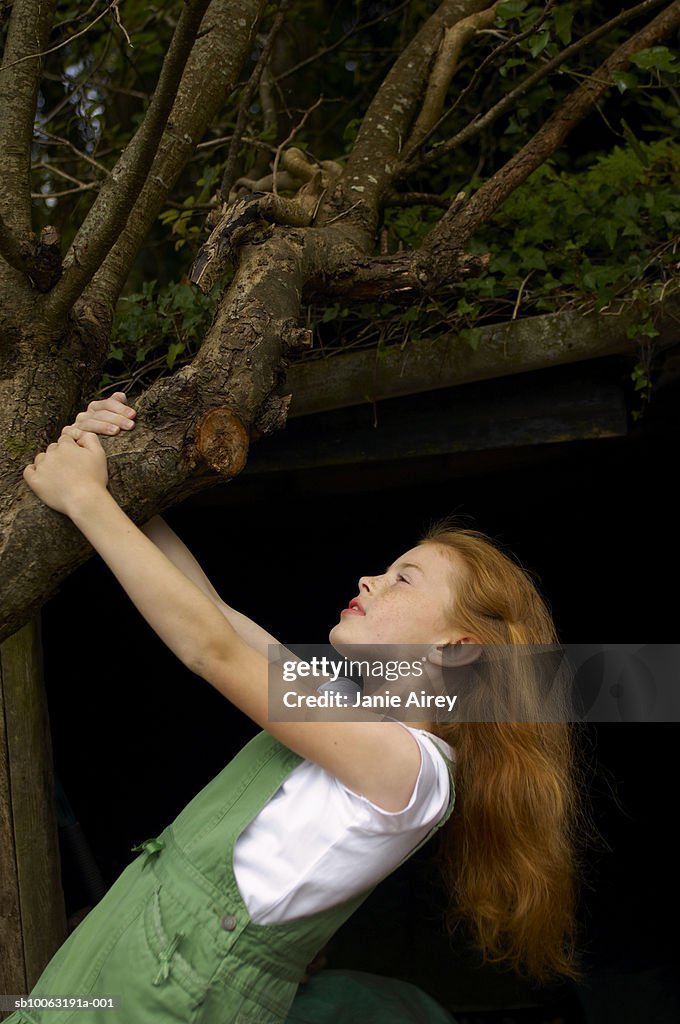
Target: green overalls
(172, 938)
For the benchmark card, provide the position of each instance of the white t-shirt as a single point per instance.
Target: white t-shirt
(316, 843)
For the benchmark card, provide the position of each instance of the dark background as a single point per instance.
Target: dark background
(136, 736)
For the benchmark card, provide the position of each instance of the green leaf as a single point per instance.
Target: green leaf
(564, 16)
(658, 57)
(610, 233)
(464, 307)
(175, 349)
(471, 336)
(624, 80)
(538, 43)
(510, 9)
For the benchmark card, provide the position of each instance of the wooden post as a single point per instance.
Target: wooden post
(32, 912)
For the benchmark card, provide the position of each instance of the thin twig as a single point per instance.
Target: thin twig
(62, 174)
(214, 142)
(257, 143)
(119, 23)
(66, 192)
(59, 141)
(344, 213)
(519, 296)
(291, 136)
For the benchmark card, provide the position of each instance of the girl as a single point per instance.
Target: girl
(217, 918)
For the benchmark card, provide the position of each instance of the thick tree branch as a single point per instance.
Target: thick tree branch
(446, 240)
(191, 428)
(27, 33)
(443, 71)
(395, 277)
(110, 210)
(510, 100)
(227, 34)
(372, 162)
(241, 222)
(249, 93)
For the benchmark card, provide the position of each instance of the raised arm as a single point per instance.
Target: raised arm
(379, 759)
(112, 415)
(158, 531)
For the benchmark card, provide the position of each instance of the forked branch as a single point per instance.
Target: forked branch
(459, 224)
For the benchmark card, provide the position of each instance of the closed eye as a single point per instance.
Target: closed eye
(402, 579)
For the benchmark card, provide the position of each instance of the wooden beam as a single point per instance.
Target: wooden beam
(519, 346)
(447, 422)
(32, 913)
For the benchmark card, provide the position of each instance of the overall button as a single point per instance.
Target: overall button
(228, 922)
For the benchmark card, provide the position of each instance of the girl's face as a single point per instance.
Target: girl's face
(410, 603)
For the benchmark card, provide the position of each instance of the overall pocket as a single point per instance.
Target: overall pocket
(173, 981)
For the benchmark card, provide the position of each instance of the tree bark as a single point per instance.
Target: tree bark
(27, 33)
(180, 444)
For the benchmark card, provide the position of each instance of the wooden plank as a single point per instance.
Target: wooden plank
(447, 422)
(32, 915)
(12, 972)
(519, 346)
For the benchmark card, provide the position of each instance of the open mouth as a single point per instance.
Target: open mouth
(353, 608)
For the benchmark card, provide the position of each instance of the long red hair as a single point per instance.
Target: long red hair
(510, 854)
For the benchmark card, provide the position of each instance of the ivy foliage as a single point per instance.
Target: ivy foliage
(156, 330)
(592, 240)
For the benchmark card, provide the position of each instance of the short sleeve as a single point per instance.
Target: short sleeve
(429, 799)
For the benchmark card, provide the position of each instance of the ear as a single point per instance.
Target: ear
(453, 655)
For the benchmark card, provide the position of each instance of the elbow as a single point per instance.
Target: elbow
(203, 660)
(208, 642)
(208, 660)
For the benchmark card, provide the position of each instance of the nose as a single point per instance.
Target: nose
(367, 584)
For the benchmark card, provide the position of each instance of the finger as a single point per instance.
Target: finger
(51, 446)
(113, 404)
(71, 431)
(39, 457)
(103, 421)
(90, 441)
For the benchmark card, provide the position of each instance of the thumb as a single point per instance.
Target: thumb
(89, 440)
